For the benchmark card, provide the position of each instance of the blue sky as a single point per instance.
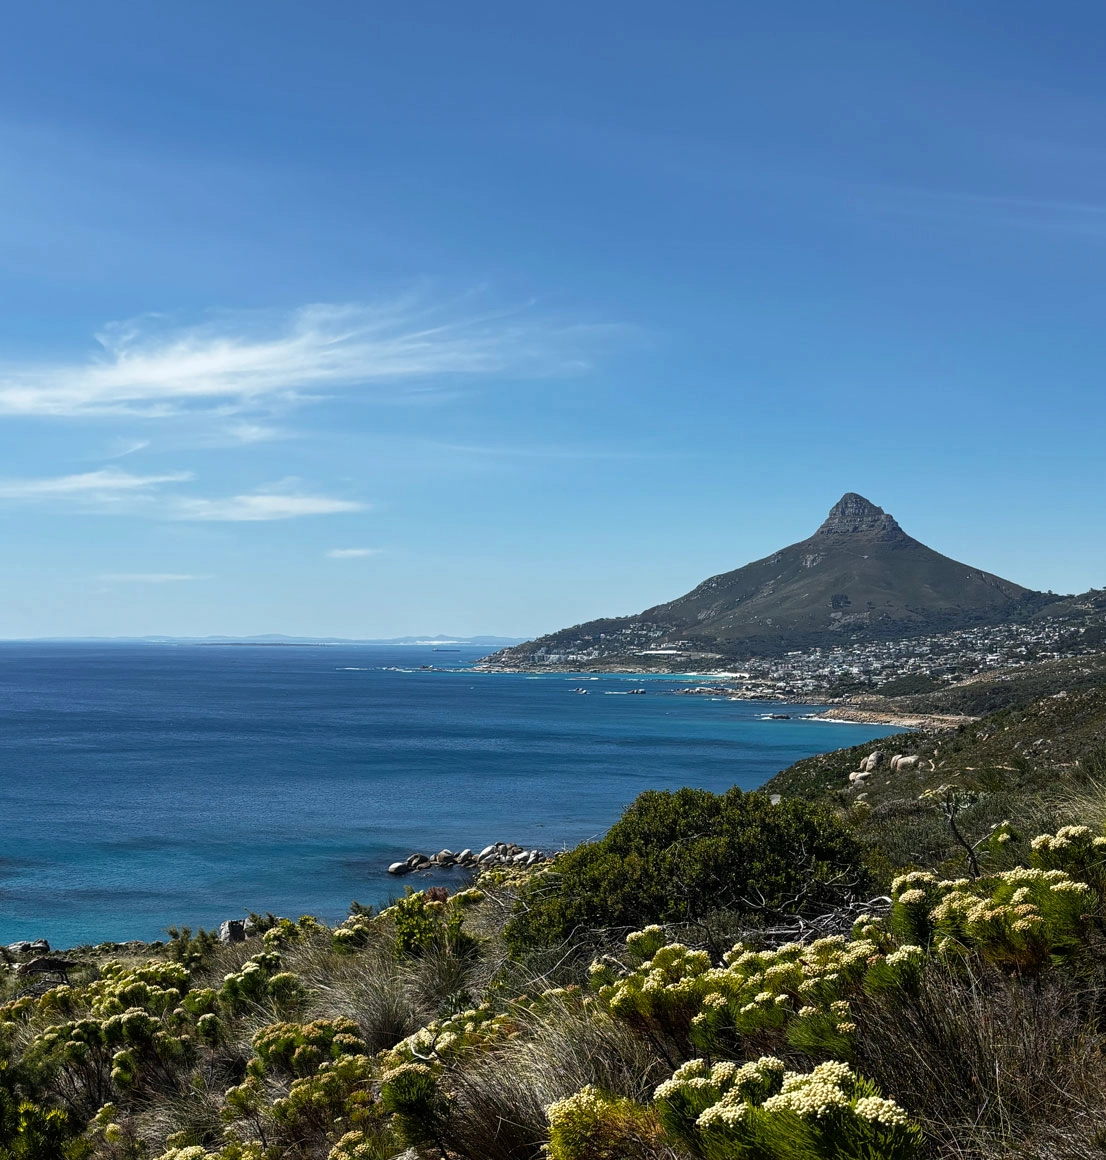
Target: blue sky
(367, 320)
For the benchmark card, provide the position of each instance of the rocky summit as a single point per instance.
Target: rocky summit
(858, 577)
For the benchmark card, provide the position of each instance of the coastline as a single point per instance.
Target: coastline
(902, 720)
(348, 765)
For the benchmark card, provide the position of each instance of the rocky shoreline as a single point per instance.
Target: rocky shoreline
(889, 717)
(497, 854)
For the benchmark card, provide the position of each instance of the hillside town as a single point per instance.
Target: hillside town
(911, 665)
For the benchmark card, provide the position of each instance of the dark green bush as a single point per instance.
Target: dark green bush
(679, 857)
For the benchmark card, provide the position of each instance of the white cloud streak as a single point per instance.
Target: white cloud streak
(129, 447)
(261, 506)
(254, 433)
(148, 368)
(112, 490)
(106, 481)
(352, 553)
(149, 577)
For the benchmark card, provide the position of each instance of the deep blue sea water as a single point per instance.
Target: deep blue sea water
(146, 785)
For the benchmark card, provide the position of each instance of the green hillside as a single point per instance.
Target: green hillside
(994, 690)
(1035, 765)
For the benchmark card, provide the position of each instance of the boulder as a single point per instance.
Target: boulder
(44, 965)
(908, 763)
(520, 857)
(486, 852)
(38, 946)
(233, 930)
(399, 868)
(464, 856)
(442, 855)
(872, 762)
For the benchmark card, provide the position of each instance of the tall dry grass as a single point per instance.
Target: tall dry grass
(993, 1066)
(501, 1099)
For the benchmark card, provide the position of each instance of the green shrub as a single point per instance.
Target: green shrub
(299, 1048)
(424, 924)
(412, 1095)
(331, 1103)
(30, 1132)
(192, 951)
(261, 982)
(591, 1125)
(678, 857)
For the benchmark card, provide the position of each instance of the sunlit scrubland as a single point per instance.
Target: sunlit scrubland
(718, 978)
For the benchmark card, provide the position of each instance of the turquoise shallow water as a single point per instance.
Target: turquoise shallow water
(145, 785)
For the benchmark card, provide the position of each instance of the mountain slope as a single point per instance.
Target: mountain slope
(859, 576)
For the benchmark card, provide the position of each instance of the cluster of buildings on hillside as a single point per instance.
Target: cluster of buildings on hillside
(851, 666)
(942, 656)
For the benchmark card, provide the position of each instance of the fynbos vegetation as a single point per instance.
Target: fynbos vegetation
(719, 978)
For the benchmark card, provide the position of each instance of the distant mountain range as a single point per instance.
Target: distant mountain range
(276, 638)
(860, 576)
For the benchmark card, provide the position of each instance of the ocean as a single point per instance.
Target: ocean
(146, 785)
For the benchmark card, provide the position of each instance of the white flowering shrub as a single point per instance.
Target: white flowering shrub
(592, 1125)
(127, 1031)
(262, 983)
(449, 1040)
(759, 1110)
(354, 934)
(299, 1048)
(1077, 850)
(1022, 919)
(798, 993)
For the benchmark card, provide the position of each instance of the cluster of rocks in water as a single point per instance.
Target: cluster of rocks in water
(900, 763)
(497, 854)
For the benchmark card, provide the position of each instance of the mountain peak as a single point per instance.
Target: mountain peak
(853, 513)
(859, 578)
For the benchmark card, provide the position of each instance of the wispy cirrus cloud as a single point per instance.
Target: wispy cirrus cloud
(150, 367)
(125, 447)
(352, 553)
(104, 482)
(148, 577)
(256, 506)
(254, 433)
(114, 491)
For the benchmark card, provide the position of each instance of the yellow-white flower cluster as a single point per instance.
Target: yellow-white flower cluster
(443, 1039)
(881, 1111)
(704, 1105)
